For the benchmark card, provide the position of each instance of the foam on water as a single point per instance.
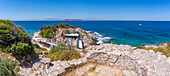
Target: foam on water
(101, 39)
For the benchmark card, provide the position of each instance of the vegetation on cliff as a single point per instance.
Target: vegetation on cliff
(63, 52)
(14, 39)
(49, 31)
(163, 50)
(8, 67)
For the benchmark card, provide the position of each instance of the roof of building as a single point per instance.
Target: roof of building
(71, 34)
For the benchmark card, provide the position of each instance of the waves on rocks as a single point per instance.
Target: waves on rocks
(101, 39)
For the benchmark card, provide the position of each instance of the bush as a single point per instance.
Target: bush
(50, 31)
(20, 49)
(63, 25)
(63, 53)
(5, 32)
(61, 44)
(7, 67)
(22, 36)
(19, 27)
(14, 39)
(168, 46)
(44, 49)
(36, 45)
(140, 47)
(38, 51)
(56, 49)
(163, 50)
(112, 42)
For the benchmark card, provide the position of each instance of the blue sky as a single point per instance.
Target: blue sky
(85, 9)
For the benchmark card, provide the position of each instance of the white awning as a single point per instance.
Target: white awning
(74, 35)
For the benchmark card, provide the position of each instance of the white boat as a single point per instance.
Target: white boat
(140, 24)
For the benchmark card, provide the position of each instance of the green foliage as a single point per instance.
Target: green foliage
(22, 36)
(57, 48)
(5, 32)
(168, 46)
(20, 49)
(8, 22)
(14, 39)
(64, 55)
(112, 42)
(163, 50)
(7, 67)
(17, 69)
(36, 45)
(140, 47)
(63, 52)
(19, 27)
(62, 25)
(44, 49)
(46, 33)
(38, 51)
(61, 44)
(50, 31)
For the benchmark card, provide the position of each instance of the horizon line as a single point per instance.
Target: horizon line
(92, 20)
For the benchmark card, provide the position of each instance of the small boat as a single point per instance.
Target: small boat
(140, 24)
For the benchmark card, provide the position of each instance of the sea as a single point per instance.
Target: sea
(134, 33)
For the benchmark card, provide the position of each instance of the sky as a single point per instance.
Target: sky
(85, 9)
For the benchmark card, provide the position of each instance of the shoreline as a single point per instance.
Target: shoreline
(104, 40)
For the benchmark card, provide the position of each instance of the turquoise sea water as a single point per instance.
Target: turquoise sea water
(122, 32)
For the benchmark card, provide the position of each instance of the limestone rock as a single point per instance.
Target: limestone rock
(65, 64)
(45, 60)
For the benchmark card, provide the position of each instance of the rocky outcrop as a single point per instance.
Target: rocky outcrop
(105, 60)
(87, 39)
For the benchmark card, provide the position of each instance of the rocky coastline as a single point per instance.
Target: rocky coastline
(98, 60)
(123, 59)
(93, 60)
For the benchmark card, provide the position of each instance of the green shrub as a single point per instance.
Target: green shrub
(8, 22)
(44, 49)
(64, 55)
(63, 25)
(19, 27)
(61, 44)
(56, 49)
(140, 47)
(50, 31)
(5, 32)
(112, 42)
(7, 67)
(63, 52)
(36, 45)
(38, 51)
(168, 46)
(20, 49)
(163, 50)
(22, 36)
(14, 39)
(69, 55)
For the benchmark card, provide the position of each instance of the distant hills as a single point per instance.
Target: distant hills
(73, 20)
